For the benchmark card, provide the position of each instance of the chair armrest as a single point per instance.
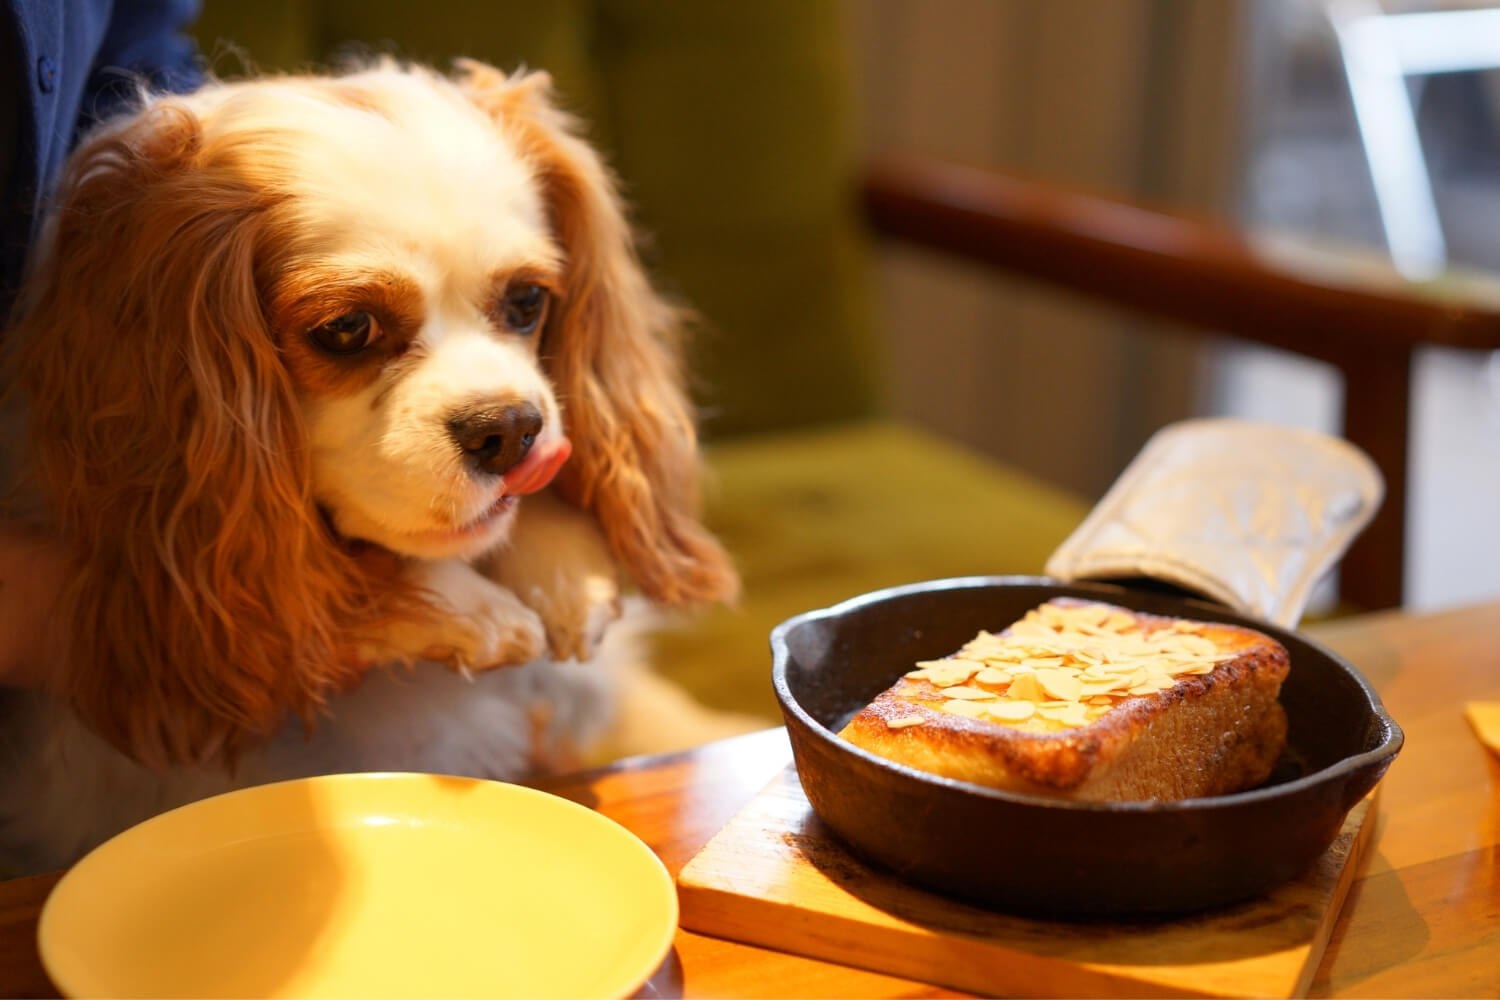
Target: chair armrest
(1331, 306)
(1348, 308)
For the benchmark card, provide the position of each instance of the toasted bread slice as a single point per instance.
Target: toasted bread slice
(1091, 702)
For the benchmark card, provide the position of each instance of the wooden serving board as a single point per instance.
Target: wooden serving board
(775, 877)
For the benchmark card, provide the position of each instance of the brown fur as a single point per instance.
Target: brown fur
(300, 301)
(207, 598)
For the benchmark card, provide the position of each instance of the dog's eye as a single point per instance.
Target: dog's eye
(349, 334)
(524, 307)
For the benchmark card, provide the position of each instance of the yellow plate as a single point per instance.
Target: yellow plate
(377, 885)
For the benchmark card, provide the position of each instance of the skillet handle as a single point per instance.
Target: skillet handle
(1247, 514)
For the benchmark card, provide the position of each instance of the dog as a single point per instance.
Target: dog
(319, 372)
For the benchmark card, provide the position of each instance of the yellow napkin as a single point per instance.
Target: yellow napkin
(1484, 716)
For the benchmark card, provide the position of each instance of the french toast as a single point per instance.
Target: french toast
(1087, 701)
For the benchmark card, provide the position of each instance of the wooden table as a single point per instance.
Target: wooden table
(1422, 920)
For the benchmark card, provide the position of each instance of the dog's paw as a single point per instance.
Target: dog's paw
(558, 564)
(478, 624)
(575, 614)
(501, 632)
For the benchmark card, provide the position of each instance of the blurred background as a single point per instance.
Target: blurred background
(1242, 111)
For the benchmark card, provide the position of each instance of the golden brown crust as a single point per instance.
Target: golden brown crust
(1217, 730)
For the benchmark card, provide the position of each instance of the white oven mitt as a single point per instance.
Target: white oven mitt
(1248, 514)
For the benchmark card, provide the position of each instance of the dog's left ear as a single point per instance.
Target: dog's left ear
(613, 350)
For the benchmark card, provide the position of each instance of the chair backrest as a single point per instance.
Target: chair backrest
(729, 125)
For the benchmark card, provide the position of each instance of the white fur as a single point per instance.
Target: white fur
(383, 462)
(63, 790)
(429, 190)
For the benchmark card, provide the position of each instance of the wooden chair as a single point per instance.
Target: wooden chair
(1215, 282)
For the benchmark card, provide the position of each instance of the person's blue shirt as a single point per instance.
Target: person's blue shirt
(66, 64)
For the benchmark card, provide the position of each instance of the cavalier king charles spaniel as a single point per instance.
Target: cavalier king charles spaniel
(317, 372)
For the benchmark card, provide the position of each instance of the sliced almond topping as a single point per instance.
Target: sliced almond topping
(1178, 668)
(990, 675)
(1025, 688)
(904, 722)
(945, 673)
(966, 693)
(1074, 715)
(1065, 665)
(1009, 711)
(1050, 614)
(1198, 644)
(1031, 630)
(1060, 684)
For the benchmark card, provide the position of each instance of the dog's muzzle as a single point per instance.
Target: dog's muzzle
(495, 439)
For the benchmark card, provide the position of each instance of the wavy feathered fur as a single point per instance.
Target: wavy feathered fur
(209, 599)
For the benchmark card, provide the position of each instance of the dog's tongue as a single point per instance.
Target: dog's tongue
(538, 467)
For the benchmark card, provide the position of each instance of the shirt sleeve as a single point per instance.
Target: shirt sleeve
(146, 42)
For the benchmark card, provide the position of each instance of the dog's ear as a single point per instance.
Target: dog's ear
(613, 350)
(206, 596)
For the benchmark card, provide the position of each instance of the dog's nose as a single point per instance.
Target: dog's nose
(494, 439)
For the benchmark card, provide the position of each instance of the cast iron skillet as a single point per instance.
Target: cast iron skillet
(1036, 856)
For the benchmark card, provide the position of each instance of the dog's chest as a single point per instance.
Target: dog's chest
(63, 790)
